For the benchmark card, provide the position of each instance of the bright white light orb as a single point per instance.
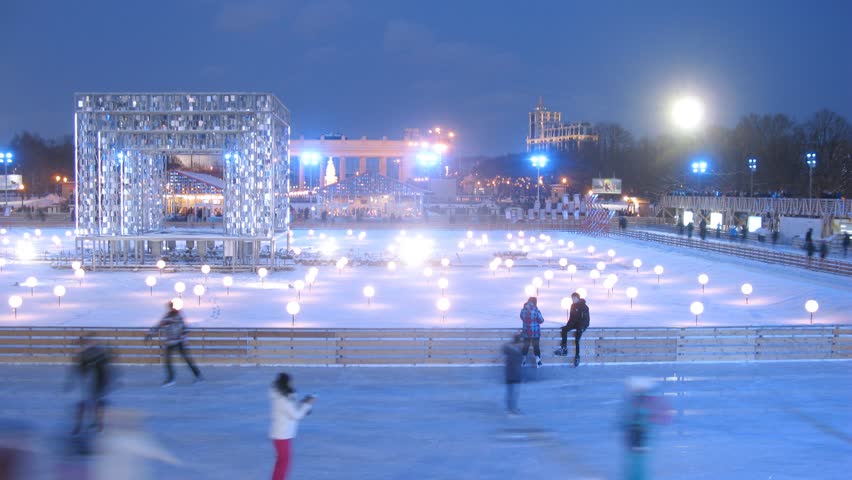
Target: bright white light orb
(610, 253)
(161, 264)
(31, 282)
(529, 290)
(262, 272)
(566, 303)
(687, 113)
(443, 283)
(59, 290)
(570, 244)
(177, 303)
(631, 292)
(445, 262)
(443, 304)
(697, 308)
(369, 291)
(205, 269)
(811, 306)
(16, 301)
(508, 236)
(548, 275)
(591, 249)
(521, 233)
(299, 285)
(349, 233)
(658, 269)
(703, 279)
(600, 266)
(150, 280)
(460, 245)
(563, 262)
(572, 269)
(509, 263)
(180, 287)
(427, 272)
(228, 281)
(595, 274)
(392, 266)
(293, 308)
(79, 273)
(637, 263)
(746, 289)
(76, 264)
(198, 290)
(537, 282)
(297, 251)
(582, 292)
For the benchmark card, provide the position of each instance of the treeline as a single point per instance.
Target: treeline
(40, 160)
(662, 164)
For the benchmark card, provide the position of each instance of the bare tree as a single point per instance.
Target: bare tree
(829, 135)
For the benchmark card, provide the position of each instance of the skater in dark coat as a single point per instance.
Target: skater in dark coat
(578, 320)
(174, 331)
(514, 357)
(532, 319)
(823, 250)
(92, 368)
(845, 244)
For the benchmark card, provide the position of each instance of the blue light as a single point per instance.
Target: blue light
(310, 158)
(427, 159)
(752, 164)
(811, 159)
(538, 161)
(699, 167)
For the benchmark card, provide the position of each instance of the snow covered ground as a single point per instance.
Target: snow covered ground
(783, 420)
(407, 298)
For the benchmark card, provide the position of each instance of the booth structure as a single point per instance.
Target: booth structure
(129, 176)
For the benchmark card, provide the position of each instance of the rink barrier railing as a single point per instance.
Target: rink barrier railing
(345, 347)
(736, 249)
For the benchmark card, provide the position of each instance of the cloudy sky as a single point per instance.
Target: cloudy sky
(374, 67)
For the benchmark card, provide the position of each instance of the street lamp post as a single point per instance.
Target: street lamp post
(810, 159)
(538, 161)
(752, 166)
(6, 158)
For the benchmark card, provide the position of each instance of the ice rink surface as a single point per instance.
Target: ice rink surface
(407, 298)
(782, 420)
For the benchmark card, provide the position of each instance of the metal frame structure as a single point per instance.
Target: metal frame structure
(123, 141)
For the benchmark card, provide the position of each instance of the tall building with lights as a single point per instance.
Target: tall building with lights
(548, 133)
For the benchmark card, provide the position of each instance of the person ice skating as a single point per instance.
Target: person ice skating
(532, 320)
(514, 358)
(845, 243)
(92, 367)
(174, 329)
(286, 413)
(578, 320)
(641, 409)
(823, 250)
(809, 236)
(702, 229)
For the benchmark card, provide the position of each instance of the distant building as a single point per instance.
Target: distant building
(548, 133)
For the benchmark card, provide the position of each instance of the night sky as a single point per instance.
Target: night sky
(374, 67)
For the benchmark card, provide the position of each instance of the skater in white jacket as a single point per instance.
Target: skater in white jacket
(286, 413)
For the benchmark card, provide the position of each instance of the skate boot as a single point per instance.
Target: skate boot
(576, 361)
(561, 352)
(524, 362)
(537, 362)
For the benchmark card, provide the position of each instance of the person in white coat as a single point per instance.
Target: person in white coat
(286, 413)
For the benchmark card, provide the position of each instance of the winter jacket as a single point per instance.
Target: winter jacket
(172, 327)
(286, 413)
(531, 316)
(579, 314)
(514, 357)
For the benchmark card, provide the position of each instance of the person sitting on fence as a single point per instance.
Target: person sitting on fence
(578, 320)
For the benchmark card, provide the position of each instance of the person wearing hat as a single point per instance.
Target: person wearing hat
(532, 320)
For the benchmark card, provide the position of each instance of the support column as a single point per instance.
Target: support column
(383, 167)
(362, 165)
(301, 173)
(341, 172)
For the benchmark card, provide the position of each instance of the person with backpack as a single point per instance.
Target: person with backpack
(532, 320)
(92, 368)
(173, 329)
(578, 320)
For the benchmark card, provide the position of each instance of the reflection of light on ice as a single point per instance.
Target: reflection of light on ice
(25, 250)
